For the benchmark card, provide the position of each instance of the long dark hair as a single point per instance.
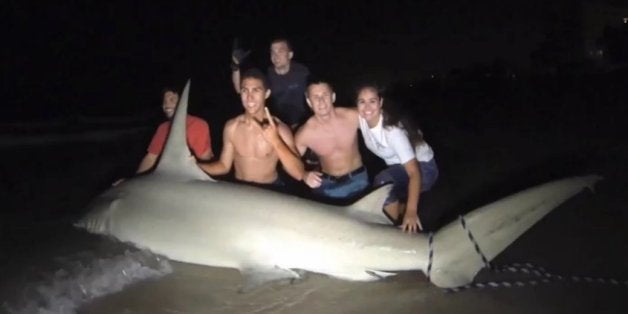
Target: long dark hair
(391, 112)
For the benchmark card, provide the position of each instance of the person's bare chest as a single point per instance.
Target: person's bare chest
(339, 137)
(250, 142)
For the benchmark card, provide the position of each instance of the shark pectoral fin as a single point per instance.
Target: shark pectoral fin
(380, 274)
(258, 275)
(359, 274)
(370, 208)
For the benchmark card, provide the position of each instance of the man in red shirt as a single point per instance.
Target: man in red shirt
(198, 134)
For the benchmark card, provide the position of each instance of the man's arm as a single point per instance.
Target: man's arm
(237, 56)
(199, 138)
(353, 115)
(282, 140)
(147, 163)
(299, 142)
(207, 155)
(235, 79)
(155, 148)
(310, 178)
(224, 164)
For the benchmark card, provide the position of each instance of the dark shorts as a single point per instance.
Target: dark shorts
(397, 175)
(344, 187)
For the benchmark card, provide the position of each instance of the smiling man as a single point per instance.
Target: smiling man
(254, 142)
(198, 134)
(332, 134)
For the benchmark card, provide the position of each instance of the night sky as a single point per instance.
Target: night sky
(113, 58)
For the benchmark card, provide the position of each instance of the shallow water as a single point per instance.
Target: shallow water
(66, 268)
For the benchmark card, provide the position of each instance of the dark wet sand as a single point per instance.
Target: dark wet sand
(585, 236)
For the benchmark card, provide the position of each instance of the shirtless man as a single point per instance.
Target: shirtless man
(254, 142)
(331, 133)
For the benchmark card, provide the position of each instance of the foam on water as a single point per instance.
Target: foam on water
(83, 277)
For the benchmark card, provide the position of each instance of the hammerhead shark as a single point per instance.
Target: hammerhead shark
(182, 213)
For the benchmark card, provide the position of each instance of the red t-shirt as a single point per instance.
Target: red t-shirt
(198, 136)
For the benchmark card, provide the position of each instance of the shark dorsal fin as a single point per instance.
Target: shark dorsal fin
(176, 160)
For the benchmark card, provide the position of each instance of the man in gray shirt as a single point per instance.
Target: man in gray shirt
(287, 79)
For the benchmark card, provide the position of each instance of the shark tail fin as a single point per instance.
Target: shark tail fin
(462, 248)
(176, 160)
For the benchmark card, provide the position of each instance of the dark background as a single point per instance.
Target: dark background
(509, 93)
(113, 58)
(541, 69)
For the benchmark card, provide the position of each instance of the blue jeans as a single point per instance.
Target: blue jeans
(343, 187)
(397, 175)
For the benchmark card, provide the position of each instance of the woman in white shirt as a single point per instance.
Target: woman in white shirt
(411, 165)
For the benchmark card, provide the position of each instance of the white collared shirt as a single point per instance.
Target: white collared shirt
(392, 143)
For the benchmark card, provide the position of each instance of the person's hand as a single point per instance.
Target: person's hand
(313, 179)
(269, 130)
(237, 55)
(411, 222)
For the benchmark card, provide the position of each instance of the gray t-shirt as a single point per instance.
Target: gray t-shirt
(288, 93)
